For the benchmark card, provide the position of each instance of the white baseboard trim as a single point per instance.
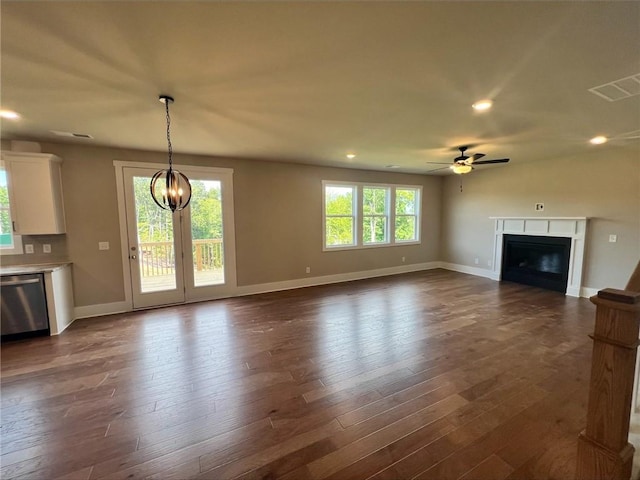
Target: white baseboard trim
(573, 291)
(53, 334)
(478, 272)
(588, 292)
(98, 310)
(89, 311)
(328, 279)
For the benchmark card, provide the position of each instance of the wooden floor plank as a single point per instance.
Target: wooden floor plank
(493, 468)
(431, 374)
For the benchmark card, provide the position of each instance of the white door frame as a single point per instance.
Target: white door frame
(230, 287)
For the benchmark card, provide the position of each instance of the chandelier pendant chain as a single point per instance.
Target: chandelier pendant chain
(169, 146)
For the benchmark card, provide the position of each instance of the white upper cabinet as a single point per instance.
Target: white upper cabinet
(35, 188)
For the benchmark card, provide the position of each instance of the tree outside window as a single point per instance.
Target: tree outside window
(363, 215)
(407, 201)
(375, 215)
(9, 243)
(339, 215)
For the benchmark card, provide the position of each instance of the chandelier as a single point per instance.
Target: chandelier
(170, 189)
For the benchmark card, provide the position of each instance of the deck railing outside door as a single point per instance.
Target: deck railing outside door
(158, 258)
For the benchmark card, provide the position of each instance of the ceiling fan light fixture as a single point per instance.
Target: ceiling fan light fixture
(9, 114)
(170, 189)
(482, 105)
(598, 140)
(461, 168)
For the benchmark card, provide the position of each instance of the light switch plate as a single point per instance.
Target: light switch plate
(103, 245)
(539, 207)
(613, 238)
(28, 248)
(46, 248)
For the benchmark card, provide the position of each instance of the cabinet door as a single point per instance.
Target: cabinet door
(36, 195)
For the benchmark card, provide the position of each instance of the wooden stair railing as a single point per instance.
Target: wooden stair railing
(604, 451)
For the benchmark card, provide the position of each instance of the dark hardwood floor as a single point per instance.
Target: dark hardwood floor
(431, 375)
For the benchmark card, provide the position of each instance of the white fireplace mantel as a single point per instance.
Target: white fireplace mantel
(569, 227)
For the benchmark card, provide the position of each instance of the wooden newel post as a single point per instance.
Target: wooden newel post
(603, 448)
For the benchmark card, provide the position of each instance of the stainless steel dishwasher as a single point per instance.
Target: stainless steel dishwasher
(23, 306)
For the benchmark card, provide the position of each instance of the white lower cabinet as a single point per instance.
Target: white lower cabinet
(59, 292)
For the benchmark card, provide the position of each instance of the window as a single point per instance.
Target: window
(340, 215)
(10, 244)
(358, 215)
(375, 215)
(407, 201)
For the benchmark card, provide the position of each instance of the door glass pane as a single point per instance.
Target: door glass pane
(156, 253)
(206, 232)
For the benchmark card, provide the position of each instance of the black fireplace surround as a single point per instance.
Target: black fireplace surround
(537, 261)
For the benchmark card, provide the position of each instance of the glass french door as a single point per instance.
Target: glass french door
(181, 256)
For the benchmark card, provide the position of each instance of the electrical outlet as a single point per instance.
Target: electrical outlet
(476, 261)
(489, 262)
(46, 248)
(308, 269)
(404, 259)
(28, 248)
(103, 245)
(613, 238)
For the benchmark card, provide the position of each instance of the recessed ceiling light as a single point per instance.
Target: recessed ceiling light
(599, 140)
(351, 155)
(482, 105)
(10, 114)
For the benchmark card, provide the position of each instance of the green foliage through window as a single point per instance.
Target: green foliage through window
(406, 214)
(6, 230)
(375, 211)
(383, 215)
(339, 215)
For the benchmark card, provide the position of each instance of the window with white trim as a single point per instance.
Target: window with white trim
(375, 215)
(406, 221)
(340, 215)
(10, 244)
(364, 215)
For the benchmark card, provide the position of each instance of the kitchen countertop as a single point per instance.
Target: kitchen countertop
(33, 268)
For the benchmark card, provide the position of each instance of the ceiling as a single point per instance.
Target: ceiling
(304, 81)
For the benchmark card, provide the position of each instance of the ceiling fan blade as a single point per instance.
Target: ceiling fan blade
(437, 169)
(485, 162)
(438, 163)
(474, 157)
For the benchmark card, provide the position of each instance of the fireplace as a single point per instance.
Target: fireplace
(536, 260)
(571, 228)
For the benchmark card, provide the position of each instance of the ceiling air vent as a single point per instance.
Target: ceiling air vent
(619, 89)
(71, 134)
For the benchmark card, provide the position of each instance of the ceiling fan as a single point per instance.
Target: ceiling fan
(465, 163)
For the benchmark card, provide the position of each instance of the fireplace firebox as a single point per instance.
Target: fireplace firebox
(539, 261)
